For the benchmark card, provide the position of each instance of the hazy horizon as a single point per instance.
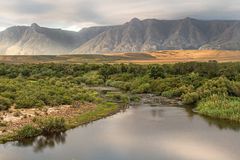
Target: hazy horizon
(77, 14)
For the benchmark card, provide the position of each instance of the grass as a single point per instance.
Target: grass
(220, 107)
(84, 58)
(52, 125)
(99, 112)
(168, 56)
(28, 131)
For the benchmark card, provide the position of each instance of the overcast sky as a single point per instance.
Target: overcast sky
(76, 14)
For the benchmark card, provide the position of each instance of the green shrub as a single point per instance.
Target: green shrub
(92, 78)
(142, 88)
(219, 86)
(28, 131)
(172, 93)
(52, 124)
(5, 103)
(234, 89)
(25, 101)
(10, 95)
(126, 86)
(156, 71)
(135, 98)
(117, 97)
(220, 107)
(160, 85)
(88, 96)
(190, 98)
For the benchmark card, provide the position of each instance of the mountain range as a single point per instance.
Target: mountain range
(134, 36)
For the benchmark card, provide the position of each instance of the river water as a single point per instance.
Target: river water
(142, 132)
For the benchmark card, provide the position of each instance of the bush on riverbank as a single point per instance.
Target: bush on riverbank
(38, 85)
(47, 125)
(213, 87)
(51, 125)
(117, 97)
(220, 107)
(25, 93)
(28, 131)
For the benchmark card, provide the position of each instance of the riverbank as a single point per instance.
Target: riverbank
(220, 107)
(55, 119)
(214, 107)
(39, 85)
(167, 132)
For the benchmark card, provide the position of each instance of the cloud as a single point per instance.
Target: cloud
(75, 14)
(88, 12)
(32, 7)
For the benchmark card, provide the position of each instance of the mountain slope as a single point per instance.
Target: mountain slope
(133, 36)
(36, 40)
(152, 34)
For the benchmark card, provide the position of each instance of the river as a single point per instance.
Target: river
(142, 132)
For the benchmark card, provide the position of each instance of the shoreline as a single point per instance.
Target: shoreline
(177, 102)
(81, 118)
(94, 112)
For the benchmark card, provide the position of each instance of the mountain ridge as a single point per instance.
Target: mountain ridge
(133, 36)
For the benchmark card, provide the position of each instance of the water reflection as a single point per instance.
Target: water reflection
(141, 132)
(219, 123)
(222, 124)
(40, 143)
(157, 113)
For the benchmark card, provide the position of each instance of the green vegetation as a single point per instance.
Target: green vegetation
(28, 131)
(117, 97)
(28, 93)
(194, 83)
(102, 110)
(75, 59)
(50, 125)
(5, 103)
(214, 88)
(221, 107)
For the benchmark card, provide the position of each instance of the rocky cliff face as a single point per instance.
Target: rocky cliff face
(133, 36)
(36, 40)
(151, 34)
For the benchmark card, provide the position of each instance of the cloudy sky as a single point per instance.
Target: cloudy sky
(76, 14)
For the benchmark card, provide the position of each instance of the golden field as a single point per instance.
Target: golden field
(165, 56)
(174, 56)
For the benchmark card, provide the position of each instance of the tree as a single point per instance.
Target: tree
(156, 71)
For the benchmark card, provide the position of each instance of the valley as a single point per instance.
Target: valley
(119, 80)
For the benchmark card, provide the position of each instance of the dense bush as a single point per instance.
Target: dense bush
(126, 86)
(5, 103)
(28, 101)
(142, 88)
(220, 107)
(91, 78)
(28, 131)
(190, 98)
(172, 93)
(156, 71)
(37, 85)
(117, 97)
(52, 125)
(135, 98)
(27, 93)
